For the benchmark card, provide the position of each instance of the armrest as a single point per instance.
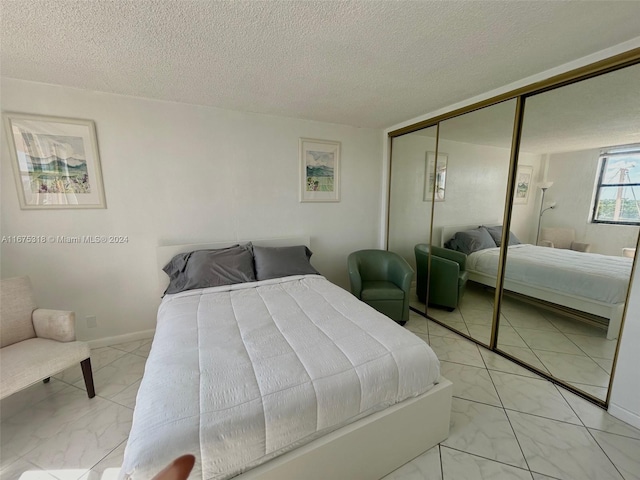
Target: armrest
(581, 247)
(453, 255)
(546, 243)
(354, 276)
(57, 325)
(443, 267)
(401, 274)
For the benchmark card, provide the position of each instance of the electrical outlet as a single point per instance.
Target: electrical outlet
(92, 322)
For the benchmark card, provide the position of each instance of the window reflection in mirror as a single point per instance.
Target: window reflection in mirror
(476, 149)
(566, 284)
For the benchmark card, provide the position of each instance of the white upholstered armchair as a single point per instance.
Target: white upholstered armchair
(36, 343)
(562, 238)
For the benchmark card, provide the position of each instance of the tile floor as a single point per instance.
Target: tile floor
(506, 422)
(569, 349)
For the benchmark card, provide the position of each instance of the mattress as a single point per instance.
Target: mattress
(597, 277)
(240, 374)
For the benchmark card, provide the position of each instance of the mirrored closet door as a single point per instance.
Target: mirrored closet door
(409, 202)
(474, 149)
(567, 257)
(575, 213)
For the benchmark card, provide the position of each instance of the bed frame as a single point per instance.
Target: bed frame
(611, 314)
(367, 449)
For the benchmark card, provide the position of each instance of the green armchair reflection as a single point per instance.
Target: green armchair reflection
(382, 279)
(448, 275)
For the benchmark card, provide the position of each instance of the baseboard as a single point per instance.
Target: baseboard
(127, 337)
(625, 415)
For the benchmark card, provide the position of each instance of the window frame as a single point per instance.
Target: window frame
(603, 160)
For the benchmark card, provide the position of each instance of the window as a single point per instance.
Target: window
(618, 190)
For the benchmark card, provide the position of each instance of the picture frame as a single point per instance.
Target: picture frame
(55, 161)
(524, 175)
(435, 175)
(319, 170)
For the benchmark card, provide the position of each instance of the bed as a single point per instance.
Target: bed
(584, 282)
(287, 377)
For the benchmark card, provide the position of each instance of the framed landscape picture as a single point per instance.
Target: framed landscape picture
(319, 170)
(435, 176)
(523, 184)
(55, 162)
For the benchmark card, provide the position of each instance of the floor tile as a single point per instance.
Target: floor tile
(605, 363)
(509, 336)
(458, 465)
(622, 451)
(483, 430)
(548, 340)
(23, 470)
(130, 346)
(143, 350)
(561, 450)
(117, 376)
(598, 392)
(458, 350)
(527, 318)
(417, 323)
(83, 443)
(17, 402)
(574, 368)
(482, 333)
(127, 397)
(595, 346)
(501, 364)
(597, 418)
(32, 427)
(109, 467)
(100, 357)
(534, 396)
(424, 467)
(538, 476)
(525, 355)
(470, 383)
(438, 330)
(449, 318)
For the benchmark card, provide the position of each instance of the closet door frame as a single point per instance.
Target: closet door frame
(617, 62)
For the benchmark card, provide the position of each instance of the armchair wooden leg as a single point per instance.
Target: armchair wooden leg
(46, 380)
(88, 377)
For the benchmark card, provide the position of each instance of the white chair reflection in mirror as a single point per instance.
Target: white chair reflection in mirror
(562, 238)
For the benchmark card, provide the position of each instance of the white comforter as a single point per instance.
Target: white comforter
(240, 374)
(590, 275)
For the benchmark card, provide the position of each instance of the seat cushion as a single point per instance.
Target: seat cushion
(25, 363)
(462, 278)
(380, 291)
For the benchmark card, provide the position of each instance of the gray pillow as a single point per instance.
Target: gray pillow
(496, 234)
(210, 268)
(471, 241)
(276, 262)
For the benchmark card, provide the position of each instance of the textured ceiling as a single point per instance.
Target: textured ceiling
(362, 63)
(600, 112)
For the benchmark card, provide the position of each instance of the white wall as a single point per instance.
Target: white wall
(177, 173)
(574, 177)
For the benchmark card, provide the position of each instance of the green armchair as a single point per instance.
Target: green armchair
(448, 275)
(382, 279)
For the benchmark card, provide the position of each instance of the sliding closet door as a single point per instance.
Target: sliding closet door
(473, 160)
(409, 205)
(576, 212)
